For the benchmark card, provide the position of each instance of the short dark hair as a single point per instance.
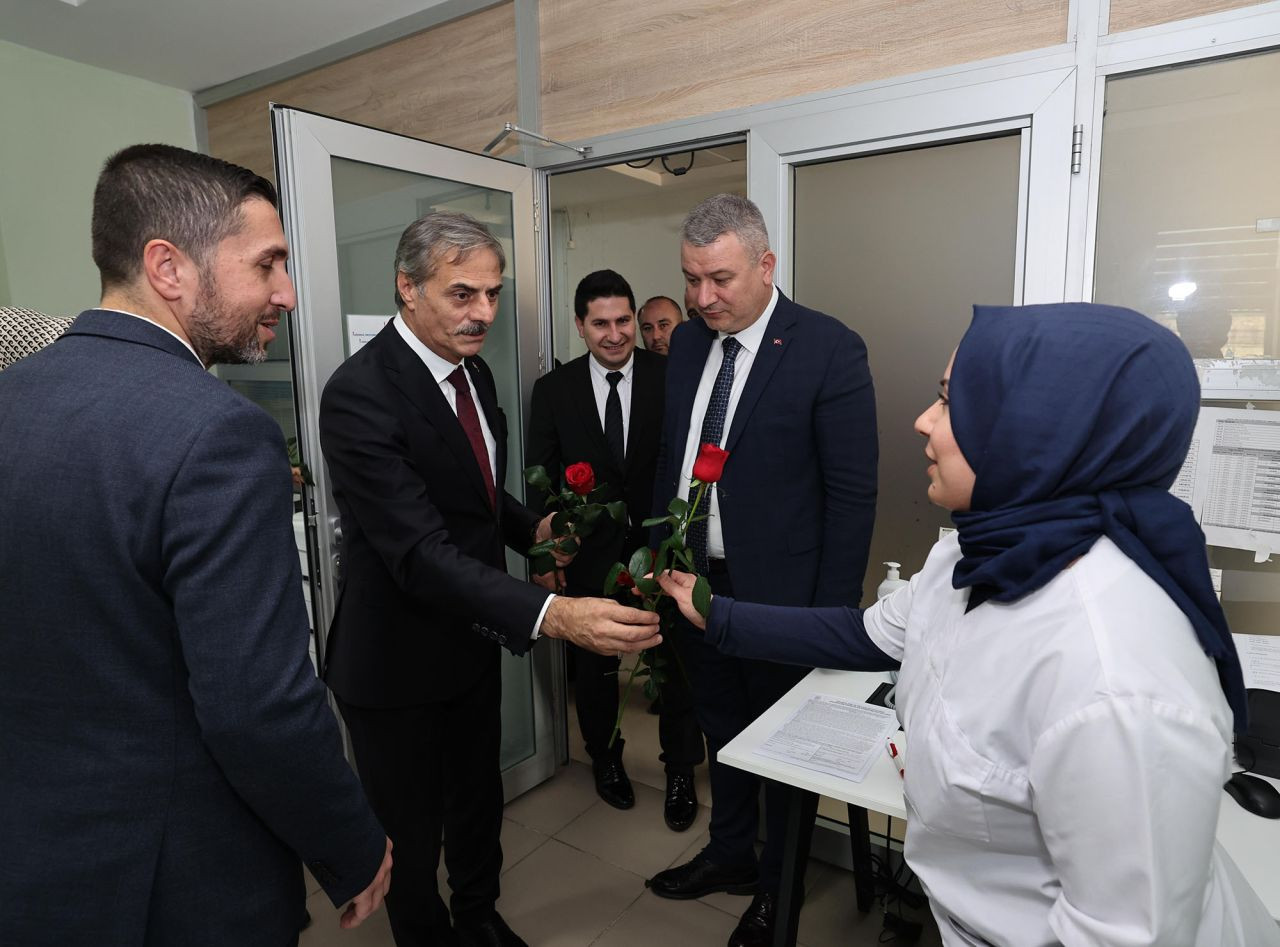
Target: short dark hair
(600, 285)
(159, 192)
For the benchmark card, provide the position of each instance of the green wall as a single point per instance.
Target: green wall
(59, 120)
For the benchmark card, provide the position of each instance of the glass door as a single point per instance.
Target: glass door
(347, 193)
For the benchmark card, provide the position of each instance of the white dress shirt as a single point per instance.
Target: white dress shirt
(750, 338)
(441, 369)
(1064, 763)
(185, 343)
(600, 387)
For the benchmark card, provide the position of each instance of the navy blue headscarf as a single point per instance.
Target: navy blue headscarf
(1076, 418)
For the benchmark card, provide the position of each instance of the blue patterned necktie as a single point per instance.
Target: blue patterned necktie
(712, 430)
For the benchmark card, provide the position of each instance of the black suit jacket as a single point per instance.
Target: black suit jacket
(565, 428)
(165, 747)
(424, 597)
(798, 493)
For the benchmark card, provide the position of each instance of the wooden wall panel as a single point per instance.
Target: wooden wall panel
(454, 84)
(1134, 14)
(609, 65)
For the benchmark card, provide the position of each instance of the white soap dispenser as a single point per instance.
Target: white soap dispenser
(892, 582)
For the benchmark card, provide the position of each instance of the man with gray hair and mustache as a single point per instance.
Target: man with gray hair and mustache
(416, 447)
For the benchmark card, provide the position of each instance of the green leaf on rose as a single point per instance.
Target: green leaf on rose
(611, 580)
(659, 520)
(560, 523)
(684, 557)
(647, 586)
(598, 494)
(568, 546)
(618, 510)
(641, 562)
(537, 478)
(543, 548)
(543, 564)
(678, 507)
(702, 596)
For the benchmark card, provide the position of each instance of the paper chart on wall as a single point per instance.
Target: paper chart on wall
(1231, 479)
(832, 735)
(362, 329)
(1260, 660)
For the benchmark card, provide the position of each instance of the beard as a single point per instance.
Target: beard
(221, 336)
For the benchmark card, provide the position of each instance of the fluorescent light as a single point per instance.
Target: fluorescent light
(1180, 291)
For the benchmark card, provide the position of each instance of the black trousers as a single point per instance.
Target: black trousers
(432, 775)
(596, 689)
(729, 693)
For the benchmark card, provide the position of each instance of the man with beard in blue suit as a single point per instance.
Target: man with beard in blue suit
(167, 758)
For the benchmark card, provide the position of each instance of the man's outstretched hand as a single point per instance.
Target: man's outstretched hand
(601, 625)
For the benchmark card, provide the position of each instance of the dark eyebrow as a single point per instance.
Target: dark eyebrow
(453, 287)
(276, 252)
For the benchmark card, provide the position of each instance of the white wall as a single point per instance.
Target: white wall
(638, 236)
(59, 120)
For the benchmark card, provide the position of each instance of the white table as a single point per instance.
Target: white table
(1252, 842)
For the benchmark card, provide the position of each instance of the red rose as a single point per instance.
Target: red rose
(709, 467)
(624, 580)
(580, 478)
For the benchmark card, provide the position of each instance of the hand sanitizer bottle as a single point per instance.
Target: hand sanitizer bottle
(891, 582)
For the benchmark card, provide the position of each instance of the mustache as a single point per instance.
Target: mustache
(471, 329)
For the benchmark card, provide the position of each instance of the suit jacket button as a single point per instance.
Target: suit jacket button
(502, 639)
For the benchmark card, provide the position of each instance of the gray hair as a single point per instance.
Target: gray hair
(436, 237)
(727, 213)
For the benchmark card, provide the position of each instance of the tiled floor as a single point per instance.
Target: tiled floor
(574, 870)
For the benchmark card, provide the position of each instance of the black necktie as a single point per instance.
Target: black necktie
(613, 420)
(712, 430)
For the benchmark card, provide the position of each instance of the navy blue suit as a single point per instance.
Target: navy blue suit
(166, 752)
(797, 504)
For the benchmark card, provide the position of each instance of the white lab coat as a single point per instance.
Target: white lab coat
(1064, 764)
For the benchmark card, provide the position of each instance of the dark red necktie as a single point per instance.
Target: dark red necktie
(470, 419)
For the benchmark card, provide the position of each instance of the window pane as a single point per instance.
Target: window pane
(1189, 203)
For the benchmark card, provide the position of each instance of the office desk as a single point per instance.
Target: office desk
(1252, 842)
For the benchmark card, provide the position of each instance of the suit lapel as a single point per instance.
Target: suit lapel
(646, 392)
(418, 385)
(773, 345)
(695, 346)
(482, 382)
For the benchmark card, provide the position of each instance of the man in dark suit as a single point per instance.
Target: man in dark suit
(166, 753)
(417, 451)
(605, 408)
(786, 391)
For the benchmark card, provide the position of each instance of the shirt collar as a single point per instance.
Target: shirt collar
(185, 343)
(603, 373)
(751, 337)
(440, 368)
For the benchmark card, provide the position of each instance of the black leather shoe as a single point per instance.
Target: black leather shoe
(703, 876)
(755, 929)
(491, 931)
(681, 807)
(612, 783)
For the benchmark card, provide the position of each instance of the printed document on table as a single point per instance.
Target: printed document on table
(1231, 478)
(1260, 660)
(832, 735)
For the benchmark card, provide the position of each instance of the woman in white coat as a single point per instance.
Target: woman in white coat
(1068, 683)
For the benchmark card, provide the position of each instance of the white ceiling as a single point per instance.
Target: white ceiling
(193, 44)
